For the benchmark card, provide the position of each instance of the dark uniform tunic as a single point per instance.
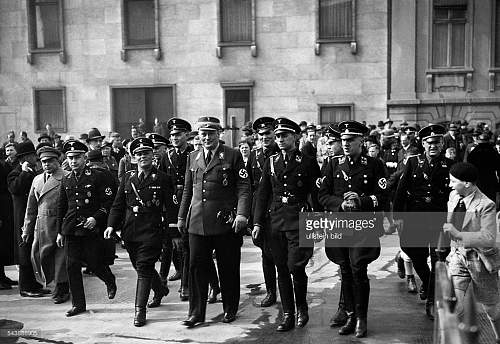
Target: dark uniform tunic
(256, 163)
(83, 196)
(173, 163)
(143, 215)
(285, 186)
(212, 195)
(366, 176)
(423, 188)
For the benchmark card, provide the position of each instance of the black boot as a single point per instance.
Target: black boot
(141, 299)
(349, 326)
(361, 328)
(160, 291)
(300, 291)
(340, 317)
(287, 323)
(302, 316)
(361, 297)
(270, 299)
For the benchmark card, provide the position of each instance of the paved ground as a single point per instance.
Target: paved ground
(394, 316)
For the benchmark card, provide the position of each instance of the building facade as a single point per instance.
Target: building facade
(106, 63)
(445, 59)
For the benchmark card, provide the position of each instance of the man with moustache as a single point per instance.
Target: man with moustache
(263, 126)
(142, 198)
(84, 203)
(214, 208)
(423, 187)
(355, 183)
(40, 225)
(288, 179)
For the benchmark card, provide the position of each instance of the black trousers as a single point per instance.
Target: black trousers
(290, 260)
(89, 250)
(228, 252)
(268, 266)
(170, 253)
(353, 263)
(143, 256)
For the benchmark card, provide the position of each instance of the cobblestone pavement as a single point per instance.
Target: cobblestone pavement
(394, 315)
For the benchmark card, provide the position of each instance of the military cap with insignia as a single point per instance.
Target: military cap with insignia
(47, 152)
(94, 134)
(410, 129)
(44, 136)
(208, 123)
(176, 125)
(73, 147)
(431, 131)
(157, 139)
(141, 144)
(25, 148)
(350, 129)
(333, 133)
(263, 125)
(283, 124)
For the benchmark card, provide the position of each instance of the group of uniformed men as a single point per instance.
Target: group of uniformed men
(209, 196)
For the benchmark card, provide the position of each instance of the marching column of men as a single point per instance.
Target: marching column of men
(208, 196)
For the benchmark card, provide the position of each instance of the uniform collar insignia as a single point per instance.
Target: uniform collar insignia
(298, 158)
(342, 160)
(221, 155)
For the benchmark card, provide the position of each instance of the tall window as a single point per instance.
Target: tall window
(449, 34)
(336, 20)
(497, 34)
(49, 108)
(45, 28)
(236, 21)
(335, 113)
(139, 16)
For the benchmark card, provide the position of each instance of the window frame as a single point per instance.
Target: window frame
(352, 40)
(30, 5)
(221, 44)
(493, 70)
(340, 105)
(154, 46)
(36, 114)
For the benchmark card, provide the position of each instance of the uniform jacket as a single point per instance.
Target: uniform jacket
(286, 189)
(221, 187)
(143, 217)
(8, 240)
(479, 229)
(40, 221)
(19, 183)
(487, 161)
(174, 165)
(88, 196)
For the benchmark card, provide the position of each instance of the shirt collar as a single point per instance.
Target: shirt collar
(205, 151)
(468, 199)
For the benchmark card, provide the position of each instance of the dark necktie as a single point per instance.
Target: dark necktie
(141, 177)
(459, 214)
(287, 159)
(208, 158)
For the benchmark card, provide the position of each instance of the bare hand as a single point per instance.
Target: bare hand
(90, 223)
(240, 223)
(25, 237)
(26, 167)
(255, 232)
(181, 226)
(449, 228)
(108, 232)
(60, 240)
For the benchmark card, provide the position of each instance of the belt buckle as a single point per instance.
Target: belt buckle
(135, 208)
(284, 199)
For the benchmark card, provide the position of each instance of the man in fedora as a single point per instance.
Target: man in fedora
(214, 209)
(40, 225)
(84, 203)
(94, 139)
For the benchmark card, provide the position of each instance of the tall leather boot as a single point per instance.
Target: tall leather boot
(300, 291)
(348, 296)
(270, 279)
(141, 299)
(340, 317)
(160, 290)
(362, 296)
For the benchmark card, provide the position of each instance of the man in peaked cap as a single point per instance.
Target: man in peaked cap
(94, 139)
(19, 183)
(355, 183)
(263, 126)
(40, 225)
(288, 179)
(141, 200)
(215, 203)
(84, 202)
(424, 187)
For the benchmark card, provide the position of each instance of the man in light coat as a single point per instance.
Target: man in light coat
(40, 219)
(474, 259)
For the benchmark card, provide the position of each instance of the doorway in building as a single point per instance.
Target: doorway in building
(236, 113)
(133, 105)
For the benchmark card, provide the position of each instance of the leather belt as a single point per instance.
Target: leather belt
(288, 200)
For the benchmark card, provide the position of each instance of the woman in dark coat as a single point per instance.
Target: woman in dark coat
(7, 237)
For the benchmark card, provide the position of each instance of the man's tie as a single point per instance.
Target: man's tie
(208, 158)
(458, 216)
(141, 177)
